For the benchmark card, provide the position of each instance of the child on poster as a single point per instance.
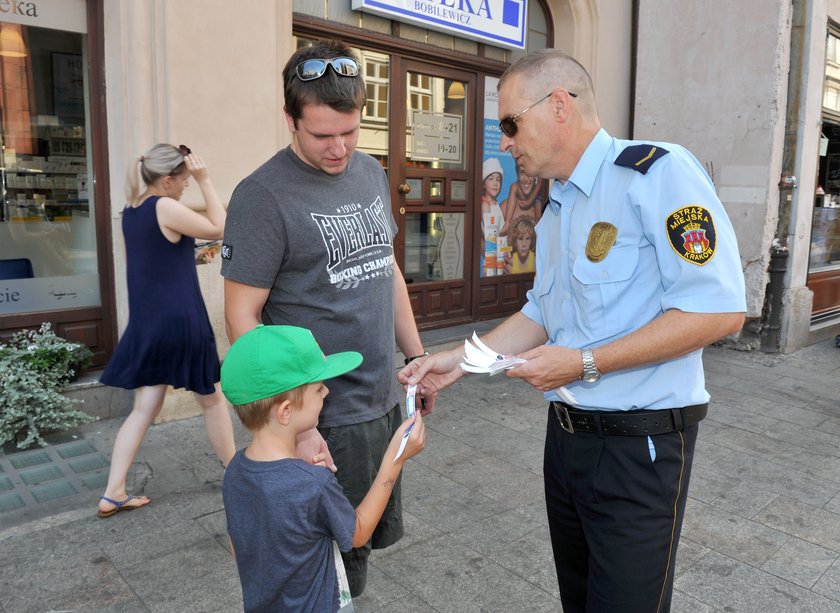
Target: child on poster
(525, 199)
(492, 219)
(524, 236)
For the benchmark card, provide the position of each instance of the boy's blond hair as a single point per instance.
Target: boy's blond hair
(255, 415)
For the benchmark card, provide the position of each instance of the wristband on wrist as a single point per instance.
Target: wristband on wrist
(414, 357)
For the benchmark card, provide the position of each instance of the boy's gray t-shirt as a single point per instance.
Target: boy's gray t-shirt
(282, 518)
(323, 244)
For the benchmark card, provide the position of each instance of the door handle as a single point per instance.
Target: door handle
(403, 188)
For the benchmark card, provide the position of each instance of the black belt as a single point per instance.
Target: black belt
(629, 423)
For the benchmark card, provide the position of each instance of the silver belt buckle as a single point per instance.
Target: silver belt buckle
(563, 417)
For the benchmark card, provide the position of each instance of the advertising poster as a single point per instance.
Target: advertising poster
(511, 202)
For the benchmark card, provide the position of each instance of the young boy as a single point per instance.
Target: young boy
(282, 513)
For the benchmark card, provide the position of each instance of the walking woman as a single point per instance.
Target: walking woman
(168, 340)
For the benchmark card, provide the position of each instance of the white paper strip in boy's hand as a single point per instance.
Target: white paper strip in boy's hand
(410, 393)
(479, 358)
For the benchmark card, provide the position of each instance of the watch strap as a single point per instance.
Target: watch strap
(590, 369)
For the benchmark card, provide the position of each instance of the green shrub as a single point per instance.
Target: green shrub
(35, 365)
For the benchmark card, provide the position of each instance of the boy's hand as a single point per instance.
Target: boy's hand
(311, 447)
(416, 440)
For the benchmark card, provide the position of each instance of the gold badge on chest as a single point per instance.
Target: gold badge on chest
(601, 239)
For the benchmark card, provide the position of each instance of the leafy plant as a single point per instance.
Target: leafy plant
(35, 365)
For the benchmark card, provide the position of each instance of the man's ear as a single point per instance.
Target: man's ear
(561, 101)
(282, 412)
(290, 121)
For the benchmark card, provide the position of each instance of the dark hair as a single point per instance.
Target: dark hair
(342, 94)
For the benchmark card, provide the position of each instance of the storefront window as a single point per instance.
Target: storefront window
(831, 89)
(373, 138)
(825, 226)
(824, 257)
(825, 238)
(47, 231)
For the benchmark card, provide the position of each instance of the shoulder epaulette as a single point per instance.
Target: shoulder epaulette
(640, 157)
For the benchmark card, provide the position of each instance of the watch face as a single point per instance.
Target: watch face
(591, 377)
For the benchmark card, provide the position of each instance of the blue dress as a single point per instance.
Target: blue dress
(168, 339)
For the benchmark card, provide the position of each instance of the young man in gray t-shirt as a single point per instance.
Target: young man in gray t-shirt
(309, 242)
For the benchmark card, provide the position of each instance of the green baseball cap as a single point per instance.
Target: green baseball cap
(269, 360)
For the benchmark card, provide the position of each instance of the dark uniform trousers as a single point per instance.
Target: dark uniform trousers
(615, 516)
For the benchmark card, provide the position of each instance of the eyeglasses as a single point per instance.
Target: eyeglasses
(185, 151)
(309, 70)
(508, 124)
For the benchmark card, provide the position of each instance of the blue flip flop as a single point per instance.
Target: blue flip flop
(119, 505)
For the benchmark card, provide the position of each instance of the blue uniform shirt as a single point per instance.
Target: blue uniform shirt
(674, 248)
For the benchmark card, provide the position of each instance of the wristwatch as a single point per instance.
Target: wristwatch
(590, 371)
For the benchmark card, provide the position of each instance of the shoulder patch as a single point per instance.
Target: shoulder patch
(640, 157)
(691, 232)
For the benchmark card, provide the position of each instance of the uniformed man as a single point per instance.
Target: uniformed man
(637, 271)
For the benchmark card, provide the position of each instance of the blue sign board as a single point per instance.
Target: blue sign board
(495, 22)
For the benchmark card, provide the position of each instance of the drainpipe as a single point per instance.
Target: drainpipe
(772, 324)
(771, 332)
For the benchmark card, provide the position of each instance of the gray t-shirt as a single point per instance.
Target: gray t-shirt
(282, 518)
(323, 245)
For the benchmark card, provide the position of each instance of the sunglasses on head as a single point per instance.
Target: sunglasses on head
(185, 151)
(309, 70)
(508, 124)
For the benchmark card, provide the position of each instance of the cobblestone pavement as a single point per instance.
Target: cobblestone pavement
(761, 534)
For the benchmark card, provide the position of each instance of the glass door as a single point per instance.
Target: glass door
(434, 189)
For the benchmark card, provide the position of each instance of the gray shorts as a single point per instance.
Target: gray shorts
(358, 450)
